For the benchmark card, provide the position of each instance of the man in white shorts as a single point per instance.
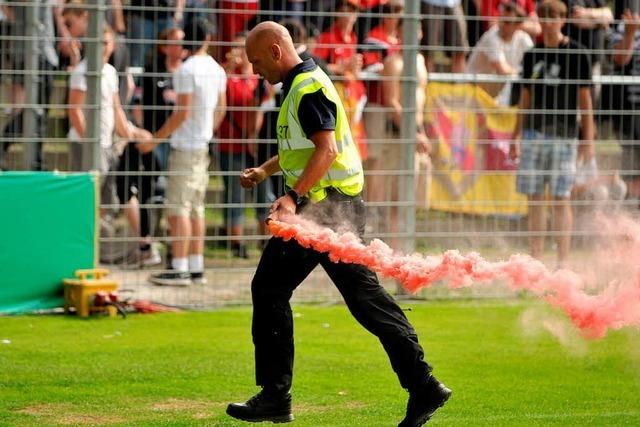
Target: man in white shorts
(200, 83)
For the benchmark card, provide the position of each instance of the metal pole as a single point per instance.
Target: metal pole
(91, 152)
(31, 84)
(408, 121)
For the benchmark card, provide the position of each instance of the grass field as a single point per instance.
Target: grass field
(183, 368)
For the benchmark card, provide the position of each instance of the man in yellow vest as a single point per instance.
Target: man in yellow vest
(323, 175)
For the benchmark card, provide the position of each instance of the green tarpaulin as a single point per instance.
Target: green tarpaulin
(47, 231)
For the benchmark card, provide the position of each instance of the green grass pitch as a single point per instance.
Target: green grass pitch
(181, 369)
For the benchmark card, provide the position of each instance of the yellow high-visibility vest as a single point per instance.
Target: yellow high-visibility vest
(295, 148)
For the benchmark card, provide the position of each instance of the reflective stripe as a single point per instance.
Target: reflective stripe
(295, 149)
(332, 174)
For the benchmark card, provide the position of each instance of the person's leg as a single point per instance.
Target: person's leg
(180, 231)
(456, 33)
(563, 171)
(563, 225)
(530, 180)
(537, 225)
(282, 267)
(374, 308)
(179, 206)
(433, 34)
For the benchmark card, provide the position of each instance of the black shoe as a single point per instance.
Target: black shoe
(264, 406)
(198, 278)
(171, 278)
(423, 402)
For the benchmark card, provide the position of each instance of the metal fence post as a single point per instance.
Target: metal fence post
(408, 123)
(91, 152)
(31, 82)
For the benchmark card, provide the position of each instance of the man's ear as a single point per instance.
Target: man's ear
(276, 52)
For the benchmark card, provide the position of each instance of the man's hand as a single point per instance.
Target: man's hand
(631, 21)
(514, 148)
(423, 143)
(282, 208)
(252, 177)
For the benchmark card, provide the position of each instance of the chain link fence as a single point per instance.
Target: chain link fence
(434, 96)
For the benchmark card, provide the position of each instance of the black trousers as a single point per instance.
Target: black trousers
(284, 265)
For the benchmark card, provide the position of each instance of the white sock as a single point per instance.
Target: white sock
(196, 263)
(180, 264)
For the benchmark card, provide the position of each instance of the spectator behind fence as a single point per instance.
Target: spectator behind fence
(200, 83)
(390, 153)
(112, 117)
(337, 46)
(624, 100)
(13, 51)
(234, 18)
(490, 10)
(76, 19)
(500, 51)
(589, 22)
(444, 30)
(384, 39)
(237, 133)
(558, 84)
(158, 97)
(147, 19)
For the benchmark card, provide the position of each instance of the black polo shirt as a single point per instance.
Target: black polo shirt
(315, 112)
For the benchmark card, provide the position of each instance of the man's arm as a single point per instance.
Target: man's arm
(253, 176)
(76, 114)
(220, 111)
(325, 153)
(589, 18)
(180, 113)
(624, 48)
(122, 126)
(523, 106)
(585, 103)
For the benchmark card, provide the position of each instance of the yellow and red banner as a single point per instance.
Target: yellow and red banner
(472, 172)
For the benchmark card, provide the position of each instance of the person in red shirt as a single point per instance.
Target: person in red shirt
(239, 127)
(337, 46)
(490, 9)
(383, 39)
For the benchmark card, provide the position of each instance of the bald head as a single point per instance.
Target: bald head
(271, 51)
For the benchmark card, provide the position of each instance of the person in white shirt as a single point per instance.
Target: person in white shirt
(500, 51)
(112, 117)
(200, 84)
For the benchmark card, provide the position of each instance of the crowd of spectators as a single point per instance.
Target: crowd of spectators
(359, 46)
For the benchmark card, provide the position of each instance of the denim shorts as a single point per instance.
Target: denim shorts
(546, 159)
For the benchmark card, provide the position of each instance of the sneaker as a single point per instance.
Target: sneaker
(423, 402)
(264, 406)
(198, 278)
(171, 278)
(150, 256)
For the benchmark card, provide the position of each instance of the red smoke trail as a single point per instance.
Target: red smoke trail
(616, 306)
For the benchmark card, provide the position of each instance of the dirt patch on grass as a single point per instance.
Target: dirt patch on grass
(171, 405)
(310, 408)
(68, 414)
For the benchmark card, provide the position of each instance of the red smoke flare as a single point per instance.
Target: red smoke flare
(616, 306)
